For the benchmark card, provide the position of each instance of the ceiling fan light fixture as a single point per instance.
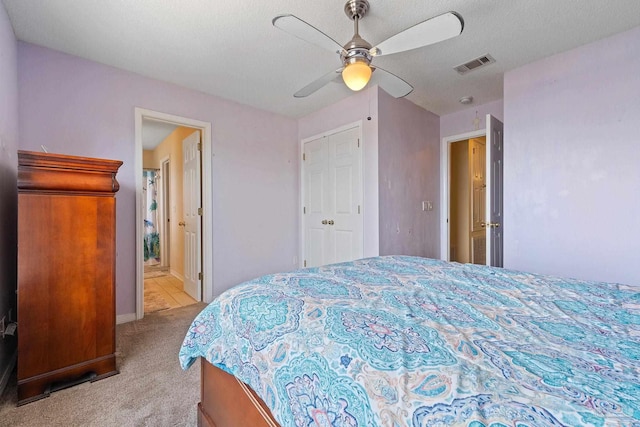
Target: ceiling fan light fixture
(357, 54)
(356, 75)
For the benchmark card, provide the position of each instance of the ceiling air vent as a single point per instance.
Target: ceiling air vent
(474, 64)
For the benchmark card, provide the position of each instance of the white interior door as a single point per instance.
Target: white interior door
(478, 245)
(192, 201)
(333, 221)
(494, 215)
(345, 183)
(316, 209)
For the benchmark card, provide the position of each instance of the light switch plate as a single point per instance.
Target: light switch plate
(427, 205)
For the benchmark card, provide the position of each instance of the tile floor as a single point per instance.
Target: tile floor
(170, 289)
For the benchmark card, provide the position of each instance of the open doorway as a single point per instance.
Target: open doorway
(162, 267)
(467, 187)
(464, 231)
(168, 278)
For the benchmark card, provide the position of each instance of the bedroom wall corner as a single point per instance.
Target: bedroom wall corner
(571, 156)
(408, 174)
(8, 189)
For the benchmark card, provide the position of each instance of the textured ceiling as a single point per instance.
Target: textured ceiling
(230, 49)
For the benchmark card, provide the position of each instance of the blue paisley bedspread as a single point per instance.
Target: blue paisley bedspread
(406, 341)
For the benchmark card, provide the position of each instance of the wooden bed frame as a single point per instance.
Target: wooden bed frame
(225, 401)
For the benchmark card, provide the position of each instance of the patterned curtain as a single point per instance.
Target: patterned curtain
(151, 236)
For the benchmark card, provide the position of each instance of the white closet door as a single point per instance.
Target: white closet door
(316, 192)
(333, 198)
(345, 184)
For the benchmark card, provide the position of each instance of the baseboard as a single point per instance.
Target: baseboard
(4, 378)
(125, 318)
(177, 275)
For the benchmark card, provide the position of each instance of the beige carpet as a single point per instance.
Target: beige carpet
(151, 389)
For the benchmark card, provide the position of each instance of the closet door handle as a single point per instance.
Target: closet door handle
(182, 224)
(330, 222)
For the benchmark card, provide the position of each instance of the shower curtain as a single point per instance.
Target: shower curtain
(151, 236)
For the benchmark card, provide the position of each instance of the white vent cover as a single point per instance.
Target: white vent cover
(474, 64)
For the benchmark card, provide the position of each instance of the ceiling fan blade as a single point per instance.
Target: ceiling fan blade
(434, 30)
(307, 32)
(391, 83)
(317, 84)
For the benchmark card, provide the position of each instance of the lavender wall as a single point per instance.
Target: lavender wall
(572, 162)
(463, 121)
(79, 107)
(408, 165)
(8, 192)
(357, 107)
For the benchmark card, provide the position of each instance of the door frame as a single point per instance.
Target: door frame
(165, 238)
(445, 158)
(303, 141)
(207, 200)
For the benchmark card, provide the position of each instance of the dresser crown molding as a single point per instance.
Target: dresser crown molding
(60, 173)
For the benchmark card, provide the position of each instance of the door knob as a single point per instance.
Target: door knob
(324, 222)
(490, 224)
(330, 222)
(182, 224)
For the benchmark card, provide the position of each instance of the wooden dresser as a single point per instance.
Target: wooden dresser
(66, 271)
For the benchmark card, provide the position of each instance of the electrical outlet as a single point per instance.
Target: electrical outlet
(427, 205)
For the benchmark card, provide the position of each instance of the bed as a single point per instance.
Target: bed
(397, 340)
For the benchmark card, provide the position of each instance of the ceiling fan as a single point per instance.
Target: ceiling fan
(357, 54)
